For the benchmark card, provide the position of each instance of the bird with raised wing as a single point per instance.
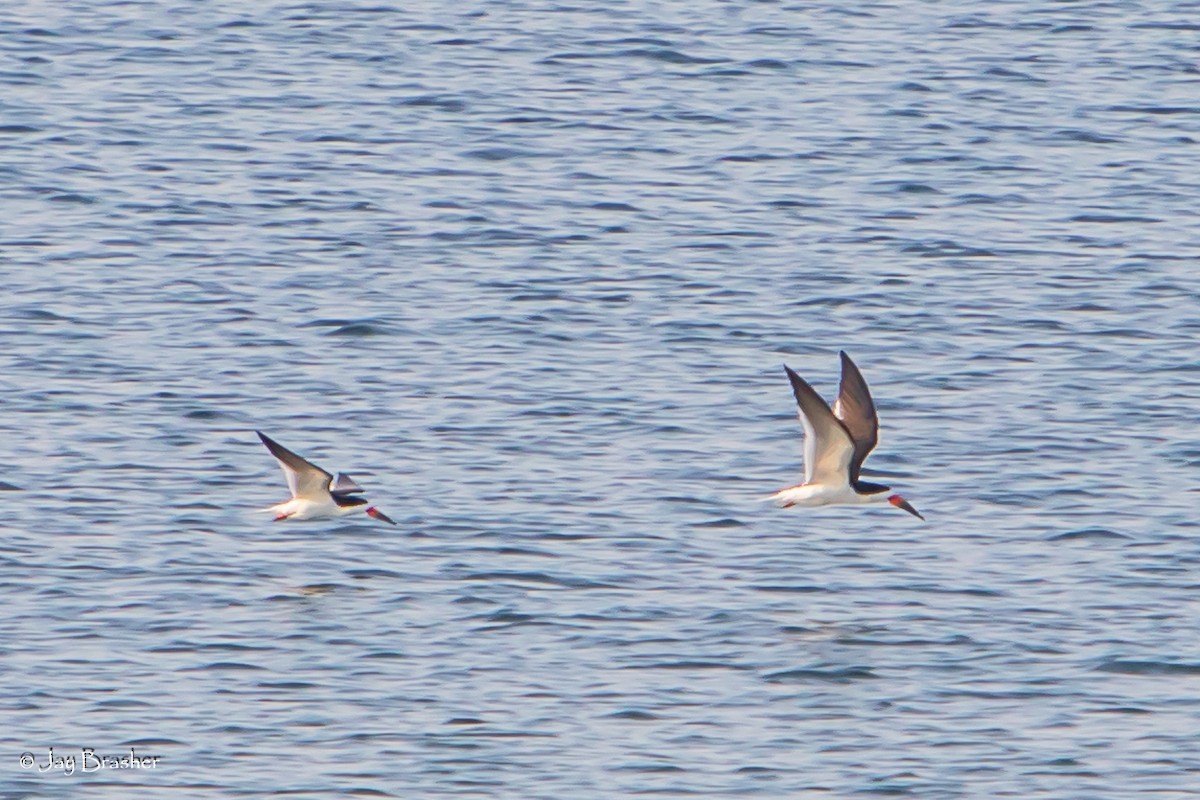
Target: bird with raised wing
(315, 493)
(836, 442)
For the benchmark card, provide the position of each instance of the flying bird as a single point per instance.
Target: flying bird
(836, 442)
(315, 493)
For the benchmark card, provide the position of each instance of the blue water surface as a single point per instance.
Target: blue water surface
(529, 271)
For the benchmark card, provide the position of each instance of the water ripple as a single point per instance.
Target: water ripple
(528, 272)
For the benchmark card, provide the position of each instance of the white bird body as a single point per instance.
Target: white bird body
(316, 494)
(811, 495)
(301, 508)
(836, 442)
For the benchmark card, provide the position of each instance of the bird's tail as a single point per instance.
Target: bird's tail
(776, 499)
(780, 498)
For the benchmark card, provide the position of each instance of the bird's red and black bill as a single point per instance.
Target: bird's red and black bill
(901, 503)
(379, 515)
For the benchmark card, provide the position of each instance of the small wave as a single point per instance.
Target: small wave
(833, 675)
(633, 713)
(1087, 533)
(225, 666)
(1132, 667)
(567, 582)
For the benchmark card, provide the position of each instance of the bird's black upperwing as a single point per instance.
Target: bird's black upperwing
(856, 410)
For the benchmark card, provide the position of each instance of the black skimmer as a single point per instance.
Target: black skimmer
(315, 493)
(836, 442)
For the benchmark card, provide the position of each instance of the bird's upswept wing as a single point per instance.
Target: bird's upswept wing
(306, 480)
(856, 410)
(828, 448)
(344, 485)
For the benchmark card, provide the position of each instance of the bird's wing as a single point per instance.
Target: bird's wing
(828, 448)
(306, 480)
(344, 485)
(856, 410)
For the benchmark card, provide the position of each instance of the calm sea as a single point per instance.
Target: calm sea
(529, 271)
